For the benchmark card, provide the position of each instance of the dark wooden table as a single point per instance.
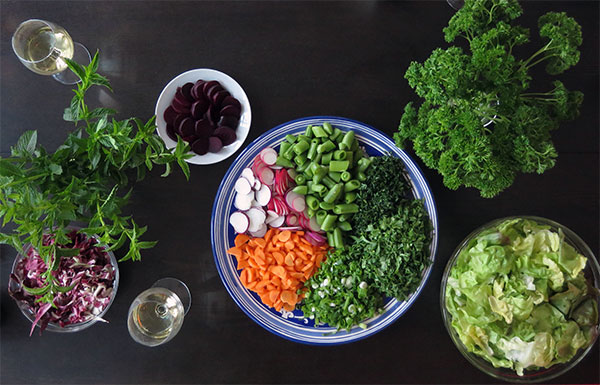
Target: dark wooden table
(293, 59)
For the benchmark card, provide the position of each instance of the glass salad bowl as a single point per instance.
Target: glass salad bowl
(14, 286)
(510, 308)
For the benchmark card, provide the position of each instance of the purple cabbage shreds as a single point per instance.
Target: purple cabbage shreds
(91, 272)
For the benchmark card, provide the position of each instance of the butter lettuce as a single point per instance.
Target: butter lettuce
(519, 299)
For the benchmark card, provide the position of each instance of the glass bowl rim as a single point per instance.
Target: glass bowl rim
(543, 374)
(52, 326)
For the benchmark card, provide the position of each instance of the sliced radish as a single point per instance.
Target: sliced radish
(291, 220)
(299, 204)
(257, 185)
(242, 186)
(291, 228)
(248, 174)
(255, 203)
(292, 173)
(290, 197)
(278, 222)
(239, 221)
(262, 230)
(268, 156)
(271, 216)
(313, 225)
(263, 196)
(244, 201)
(256, 217)
(266, 176)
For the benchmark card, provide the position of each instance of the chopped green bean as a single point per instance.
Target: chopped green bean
(300, 159)
(335, 176)
(351, 185)
(312, 151)
(345, 176)
(338, 240)
(327, 181)
(329, 222)
(334, 193)
(348, 208)
(340, 155)
(312, 202)
(283, 162)
(326, 158)
(326, 147)
(321, 214)
(300, 179)
(344, 226)
(328, 129)
(319, 132)
(348, 141)
(290, 138)
(301, 190)
(350, 197)
(309, 132)
(326, 206)
(318, 188)
(301, 146)
(338, 165)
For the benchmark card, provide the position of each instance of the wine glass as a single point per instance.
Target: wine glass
(42, 47)
(156, 314)
(456, 4)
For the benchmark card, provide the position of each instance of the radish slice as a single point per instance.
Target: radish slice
(248, 174)
(263, 196)
(266, 176)
(291, 220)
(292, 173)
(313, 225)
(257, 185)
(291, 228)
(277, 222)
(255, 203)
(299, 204)
(271, 216)
(268, 156)
(239, 221)
(244, 201)
(290, 197)
(262, 230)
(242, 186)
(256, 217)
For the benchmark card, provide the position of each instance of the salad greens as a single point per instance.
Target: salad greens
(518, 297)
(386, 256)
(479, 124)
(82, 181)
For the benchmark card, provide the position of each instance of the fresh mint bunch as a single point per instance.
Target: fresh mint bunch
(479, 124)
(87, 179)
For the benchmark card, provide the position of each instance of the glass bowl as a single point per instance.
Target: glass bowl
(52, 326)
(591, 272)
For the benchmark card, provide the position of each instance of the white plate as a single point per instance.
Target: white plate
(191, 76)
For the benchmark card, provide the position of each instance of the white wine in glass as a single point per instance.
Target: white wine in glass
(156, 314)
(43, 46)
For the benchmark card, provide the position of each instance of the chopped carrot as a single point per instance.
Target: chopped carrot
(277, 265)
(241, 239)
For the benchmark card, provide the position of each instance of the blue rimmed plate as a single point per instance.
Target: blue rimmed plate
(292, 325)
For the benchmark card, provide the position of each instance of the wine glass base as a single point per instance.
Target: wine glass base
(82, 56)
(179, 288)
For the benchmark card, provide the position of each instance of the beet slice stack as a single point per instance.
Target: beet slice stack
(203, 114)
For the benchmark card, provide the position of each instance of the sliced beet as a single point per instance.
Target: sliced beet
(203, 128)
(226, 134)
(213, 90)
(171, 132)
(186, 127)
(208, 85)
(230, 110)
(180, 108)
(197, 89)
(199, 108)
(181, 99)
(200, 146)
(230, 100)
(177, 122)
(217, 97)
(214, 144)
(190, 139)
(229, 121)
(169, 115)
(213, 114)
(186, 90)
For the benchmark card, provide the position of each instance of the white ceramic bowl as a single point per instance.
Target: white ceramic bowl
(191, 76)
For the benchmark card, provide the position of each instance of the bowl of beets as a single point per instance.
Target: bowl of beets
(207, 109)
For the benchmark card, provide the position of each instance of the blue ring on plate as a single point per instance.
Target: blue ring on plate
(376, 143)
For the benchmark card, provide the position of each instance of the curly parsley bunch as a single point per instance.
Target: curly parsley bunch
(479, 125)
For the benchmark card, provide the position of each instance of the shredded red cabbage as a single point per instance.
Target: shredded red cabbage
(91, 272)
